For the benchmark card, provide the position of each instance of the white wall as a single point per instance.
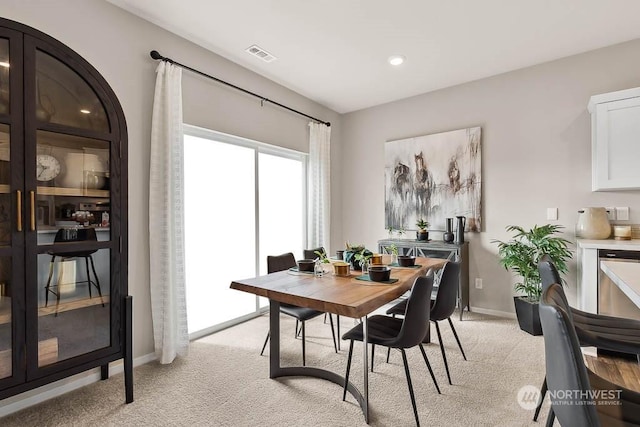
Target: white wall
(117, 44)
(536, 153)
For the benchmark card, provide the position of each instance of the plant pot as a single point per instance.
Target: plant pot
(528, 315)
(422, 235)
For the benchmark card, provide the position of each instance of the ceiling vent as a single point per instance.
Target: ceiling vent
(259, 52)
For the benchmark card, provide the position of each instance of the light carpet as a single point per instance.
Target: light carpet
(224, 382)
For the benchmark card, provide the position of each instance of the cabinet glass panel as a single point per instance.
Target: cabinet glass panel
(73, 183)
(4, 76)
(73, 302)
(5, 188)
(6, 344)
(63, 97)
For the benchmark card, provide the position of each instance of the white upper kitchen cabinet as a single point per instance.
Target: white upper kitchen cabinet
(615, 140)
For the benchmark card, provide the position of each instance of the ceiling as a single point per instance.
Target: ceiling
(335, 51)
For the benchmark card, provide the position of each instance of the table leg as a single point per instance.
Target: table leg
(274, 339)
(365, 356)
(277, 371)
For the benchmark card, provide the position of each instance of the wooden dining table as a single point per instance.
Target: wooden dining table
(345, 296)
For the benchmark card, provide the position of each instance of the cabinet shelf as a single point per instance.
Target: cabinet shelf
(5, 307)
(63, 191)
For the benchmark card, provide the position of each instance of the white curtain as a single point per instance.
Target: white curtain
(166, 217)
(319, 187)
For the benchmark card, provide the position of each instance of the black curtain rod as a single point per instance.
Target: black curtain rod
(156, 55)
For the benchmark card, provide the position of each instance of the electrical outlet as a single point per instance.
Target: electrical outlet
(622, 214)
(611, 213)
(478, 283)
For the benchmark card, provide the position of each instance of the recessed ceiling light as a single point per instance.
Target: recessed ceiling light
(396, 59)
(84, 111)
(4, 64)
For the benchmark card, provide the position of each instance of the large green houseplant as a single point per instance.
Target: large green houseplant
(521, 255)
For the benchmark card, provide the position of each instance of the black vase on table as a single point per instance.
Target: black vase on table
(448, 235)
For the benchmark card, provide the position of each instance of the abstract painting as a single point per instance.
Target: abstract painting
(433, 177)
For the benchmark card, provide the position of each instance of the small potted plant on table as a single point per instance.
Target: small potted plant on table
(356, 254)
(422, 233)
(521, 255)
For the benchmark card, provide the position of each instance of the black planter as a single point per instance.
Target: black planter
(528, 315)
(422, 235)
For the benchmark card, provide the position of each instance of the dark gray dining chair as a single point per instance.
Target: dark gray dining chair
(67, 235)
(400, 334)
(566, 371)
(283, 262)
(441, 308)
(593, 330)
(311, 253)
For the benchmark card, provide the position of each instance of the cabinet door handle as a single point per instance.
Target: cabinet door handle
(19, 209)
(32, 196)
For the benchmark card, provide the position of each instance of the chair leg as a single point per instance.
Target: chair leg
(389, 348)
(86, 264)
(457, 339)
(444, 354)
(413, 398)
(48, 286)
(266, 340)
(333, 335)
(60, 274)
(340, 339)
(297, 331)
(373, 351)
(93, 267)
(550, 418)
(543, 392)
(426, 360)
(346, 376)
(304, 362)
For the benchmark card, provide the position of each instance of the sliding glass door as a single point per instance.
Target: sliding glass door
(244, 200)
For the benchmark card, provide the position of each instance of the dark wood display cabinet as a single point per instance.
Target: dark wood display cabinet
(64, 306)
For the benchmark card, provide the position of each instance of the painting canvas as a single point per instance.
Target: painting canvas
(433, 177)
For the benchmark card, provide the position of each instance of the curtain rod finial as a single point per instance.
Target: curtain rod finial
(328, 124)
(155, 55)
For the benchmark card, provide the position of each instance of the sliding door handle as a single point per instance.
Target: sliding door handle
(32, 197)
(19, 209)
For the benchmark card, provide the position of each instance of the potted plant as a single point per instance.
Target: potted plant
(393, 250)
(422, 233)
(355, 254)
(521, 255)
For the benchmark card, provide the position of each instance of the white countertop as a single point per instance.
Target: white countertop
(626, 275)
(623, 245)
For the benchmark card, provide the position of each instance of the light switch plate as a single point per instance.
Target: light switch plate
(611, 213)
(552, 214)
(622, 214)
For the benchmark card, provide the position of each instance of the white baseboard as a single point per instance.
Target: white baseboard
(497, 313)
(28, 398)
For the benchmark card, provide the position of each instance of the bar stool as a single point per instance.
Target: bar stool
(72, 235)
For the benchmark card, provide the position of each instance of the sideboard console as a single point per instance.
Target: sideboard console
(432, 249)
